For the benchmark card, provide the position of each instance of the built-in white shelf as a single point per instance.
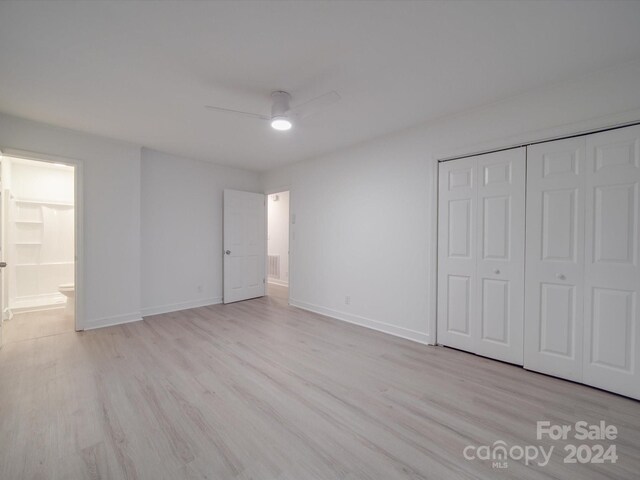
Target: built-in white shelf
(39, 264)
(33, 201)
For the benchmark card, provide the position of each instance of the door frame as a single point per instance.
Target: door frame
(267, 192)
(78, 165)
(432, 324)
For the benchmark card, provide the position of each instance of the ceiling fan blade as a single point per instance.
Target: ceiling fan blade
(238, 112)
(307, 108)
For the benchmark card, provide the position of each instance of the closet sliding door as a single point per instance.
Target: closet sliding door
(481, 254)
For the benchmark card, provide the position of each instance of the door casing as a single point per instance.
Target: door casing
(80, 320)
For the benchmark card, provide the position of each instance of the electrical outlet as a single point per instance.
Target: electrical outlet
(347, 300)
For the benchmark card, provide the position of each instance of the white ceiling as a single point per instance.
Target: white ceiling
(142, 71)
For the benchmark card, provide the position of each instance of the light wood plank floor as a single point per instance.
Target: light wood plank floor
(30, 325)
(279, 291)
(259, 390)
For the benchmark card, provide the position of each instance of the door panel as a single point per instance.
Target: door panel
(614, 217)
(459, 228)
(613, 313)
(500, 264)
(459, 304)
(495, 311)
(481, 254)
(559, 222)
(496, 228)
(554, 293)
(457, 252)
(612, 273)
(244, 240)
(557, 302)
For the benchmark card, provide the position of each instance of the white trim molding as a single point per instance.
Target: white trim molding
(401, 332)
(92, 324)
(584, 127)
(176, 307)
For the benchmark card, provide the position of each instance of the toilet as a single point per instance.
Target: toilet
(69, 291)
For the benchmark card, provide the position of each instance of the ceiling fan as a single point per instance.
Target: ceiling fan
(282, 114)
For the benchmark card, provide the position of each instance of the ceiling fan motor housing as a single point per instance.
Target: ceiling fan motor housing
(280, 106)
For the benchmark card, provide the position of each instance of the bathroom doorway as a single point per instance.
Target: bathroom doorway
(39, 248)
(278, 245)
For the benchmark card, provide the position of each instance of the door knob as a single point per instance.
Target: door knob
(228, 252)
(561, 276)
(496, 271)
(3, 264)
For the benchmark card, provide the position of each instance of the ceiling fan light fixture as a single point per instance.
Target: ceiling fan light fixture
(281, 123)
(283, 115)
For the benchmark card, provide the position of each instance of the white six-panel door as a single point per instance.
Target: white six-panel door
(500, 265)
(457, 250)
(582, 273)
(612, 251)
(481, 254)
(555, 257)
(244, 236)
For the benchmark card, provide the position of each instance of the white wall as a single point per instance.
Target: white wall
(182, 235)
(40, 228)
(278, 234)
(365, 216)
(111, 213)
(182, 229)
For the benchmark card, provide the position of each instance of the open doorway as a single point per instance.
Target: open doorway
(39, 248)
(278, 245)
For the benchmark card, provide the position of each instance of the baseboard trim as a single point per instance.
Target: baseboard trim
(36, 308)
(282, 283)
(176, 307)
(401, 332)
(111, 321)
